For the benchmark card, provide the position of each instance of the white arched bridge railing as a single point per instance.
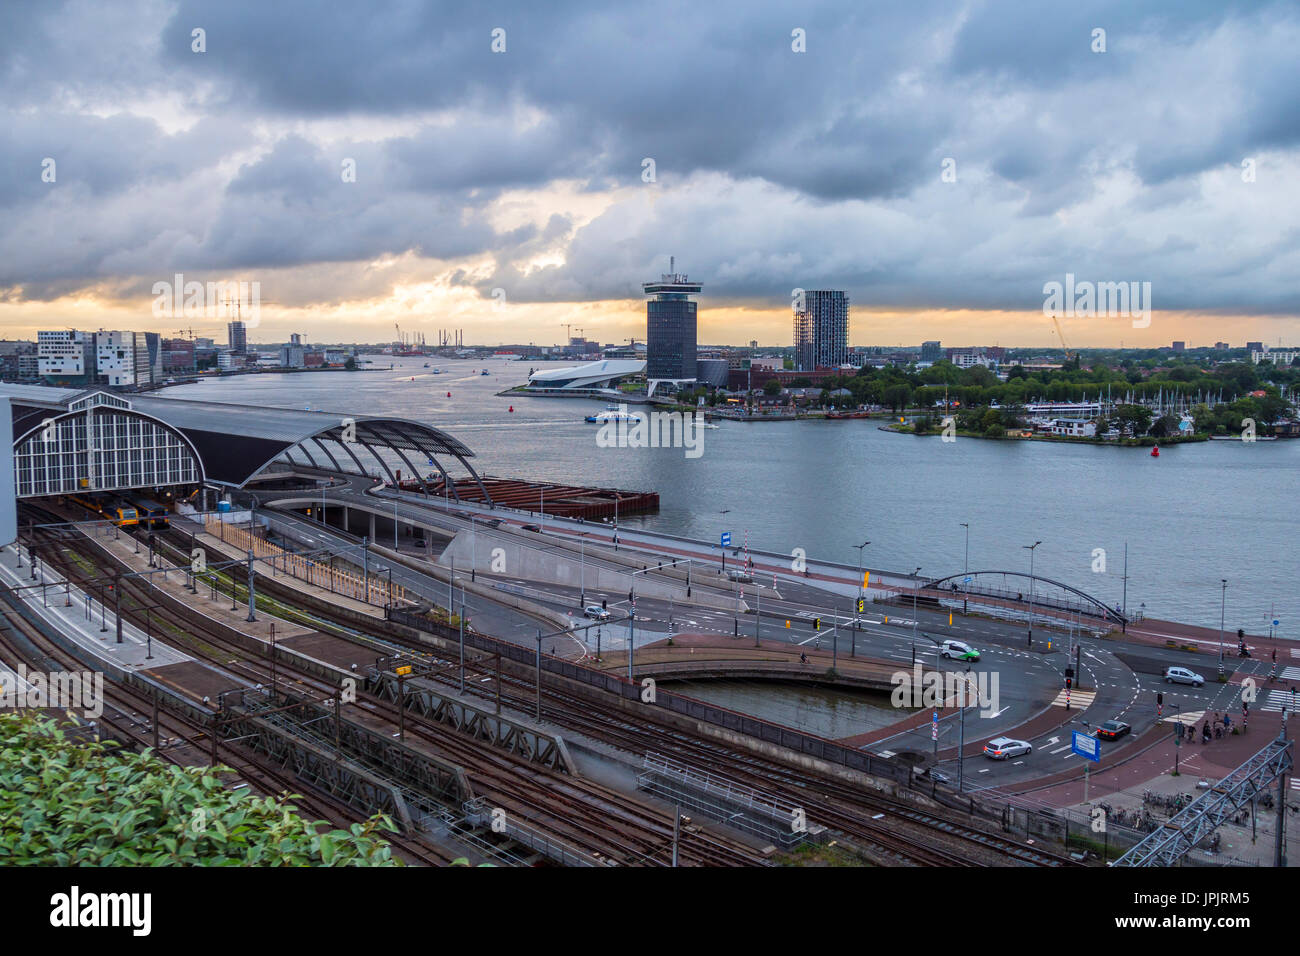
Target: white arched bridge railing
(1042, 601)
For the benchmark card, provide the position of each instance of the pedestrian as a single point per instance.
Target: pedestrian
(803, 658)
(1205, 732)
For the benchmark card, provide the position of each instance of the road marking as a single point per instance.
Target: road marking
(1059, 749)
(1078, 698)
(1054, 740)
(1290, 673)
(1278, 700)
(885, 753)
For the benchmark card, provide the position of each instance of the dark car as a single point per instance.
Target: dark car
(1113, 729)
(531, 527)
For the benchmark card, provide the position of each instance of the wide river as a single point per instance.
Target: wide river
(1195, 515)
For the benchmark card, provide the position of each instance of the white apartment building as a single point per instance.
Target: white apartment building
(968, 358)
(1278, 356)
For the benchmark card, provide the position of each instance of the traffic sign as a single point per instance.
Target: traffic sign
(966, 580)
(1086, 746)
(934, 726)
(725, 540)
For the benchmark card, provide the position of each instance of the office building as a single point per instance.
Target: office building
(931, 352)
(821, 330)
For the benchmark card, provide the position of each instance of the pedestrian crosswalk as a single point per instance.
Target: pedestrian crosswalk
(1276, 700)
(1295, 783)
(1290, 673)
(1189, 717)
(1080, 699)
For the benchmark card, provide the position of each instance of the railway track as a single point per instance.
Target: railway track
(904, 834)
(189, 743)
(579, 812)
(912, 835)
(127, 718)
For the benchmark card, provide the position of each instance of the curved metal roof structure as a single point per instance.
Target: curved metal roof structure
(591, 375)
(237, 443)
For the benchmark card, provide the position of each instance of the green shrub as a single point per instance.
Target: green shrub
(69, 803)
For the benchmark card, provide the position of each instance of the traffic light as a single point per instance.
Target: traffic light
(604, 605)
(1069, 682)
(1160, 699)
(862, 605)
(817, 624)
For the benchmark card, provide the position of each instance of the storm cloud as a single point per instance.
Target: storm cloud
(1171, 157)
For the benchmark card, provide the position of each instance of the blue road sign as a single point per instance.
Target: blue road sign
(1276, 622)
(966, 580)
(725, 540)
(1086, 746)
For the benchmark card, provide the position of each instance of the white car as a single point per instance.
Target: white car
(596, 611)
(1181, 675)
(958, 650)
(1000, 748)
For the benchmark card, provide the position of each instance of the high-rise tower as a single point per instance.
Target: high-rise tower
(670, 327)
(821, 330)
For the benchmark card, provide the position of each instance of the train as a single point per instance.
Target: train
(121, 513)
(151, 514)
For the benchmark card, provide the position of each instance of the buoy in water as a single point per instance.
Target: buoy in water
(511, 408)
(449, 394)
(1155, 452)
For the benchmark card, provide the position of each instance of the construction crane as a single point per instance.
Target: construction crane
(1068, 354)
(189, 333)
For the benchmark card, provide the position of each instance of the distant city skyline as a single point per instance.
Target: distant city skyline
(616, 322)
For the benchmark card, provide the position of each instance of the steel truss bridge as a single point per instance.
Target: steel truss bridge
(1187, 828)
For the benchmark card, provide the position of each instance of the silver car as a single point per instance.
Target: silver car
(1000, 748)
(1181, 675)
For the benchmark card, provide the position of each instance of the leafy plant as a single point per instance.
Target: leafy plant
(64, 802)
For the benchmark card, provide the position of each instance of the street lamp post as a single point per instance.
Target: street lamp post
(1031, 548)
(1223, 603)
(916, 587)
(965, 570)
(853, 638)
(961, 742)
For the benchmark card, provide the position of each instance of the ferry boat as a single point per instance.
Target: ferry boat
(613, 413)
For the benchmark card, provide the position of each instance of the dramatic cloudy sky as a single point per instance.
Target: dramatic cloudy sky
(1173, 158)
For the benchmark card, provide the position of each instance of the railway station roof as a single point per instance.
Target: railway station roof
(237, 442)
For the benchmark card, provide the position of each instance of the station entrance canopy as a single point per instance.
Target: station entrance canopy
(74, 440)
